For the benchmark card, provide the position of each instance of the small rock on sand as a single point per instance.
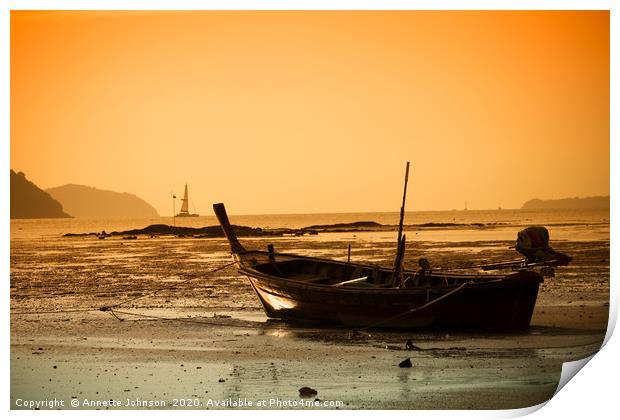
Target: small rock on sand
(405, 363)
(306, 392)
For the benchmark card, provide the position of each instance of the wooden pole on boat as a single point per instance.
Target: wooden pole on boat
(397, 273)
(402, 208)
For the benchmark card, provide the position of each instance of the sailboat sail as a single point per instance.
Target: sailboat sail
(184, 206)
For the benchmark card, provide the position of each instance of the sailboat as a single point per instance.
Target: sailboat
(185, 207)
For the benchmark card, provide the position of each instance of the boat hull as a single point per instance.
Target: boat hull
(504, 305)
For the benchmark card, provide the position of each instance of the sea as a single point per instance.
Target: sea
(455, 225)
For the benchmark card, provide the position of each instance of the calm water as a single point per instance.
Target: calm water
(563, 224)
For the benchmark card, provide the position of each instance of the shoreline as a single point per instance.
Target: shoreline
(214, 231)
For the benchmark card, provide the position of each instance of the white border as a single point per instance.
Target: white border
(590, 395)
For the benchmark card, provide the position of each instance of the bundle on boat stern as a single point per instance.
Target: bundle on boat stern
(533, 244)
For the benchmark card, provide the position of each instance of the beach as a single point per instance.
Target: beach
(189, 339)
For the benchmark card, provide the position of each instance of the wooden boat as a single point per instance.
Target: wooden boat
(295, 287)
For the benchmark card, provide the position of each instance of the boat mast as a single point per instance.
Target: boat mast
(400, 247)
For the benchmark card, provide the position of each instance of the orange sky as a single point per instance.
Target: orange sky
(302, 112)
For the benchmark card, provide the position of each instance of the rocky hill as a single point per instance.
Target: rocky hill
(30, 202)
(599, 202)
(82, 201)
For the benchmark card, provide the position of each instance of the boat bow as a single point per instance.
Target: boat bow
(229, 232)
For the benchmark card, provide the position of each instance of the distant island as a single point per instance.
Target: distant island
(82, 201)
(30, 202)
(215, 231)
(599, 202)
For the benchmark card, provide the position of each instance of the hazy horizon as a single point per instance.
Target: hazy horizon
(278, 112)
(409, 209)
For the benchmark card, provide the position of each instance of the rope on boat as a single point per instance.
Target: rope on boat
(108, 308)
(426, 305)
(59, 311)
(105, 308)
(190, 320)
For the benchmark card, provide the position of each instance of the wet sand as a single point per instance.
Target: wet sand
(218, 345)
